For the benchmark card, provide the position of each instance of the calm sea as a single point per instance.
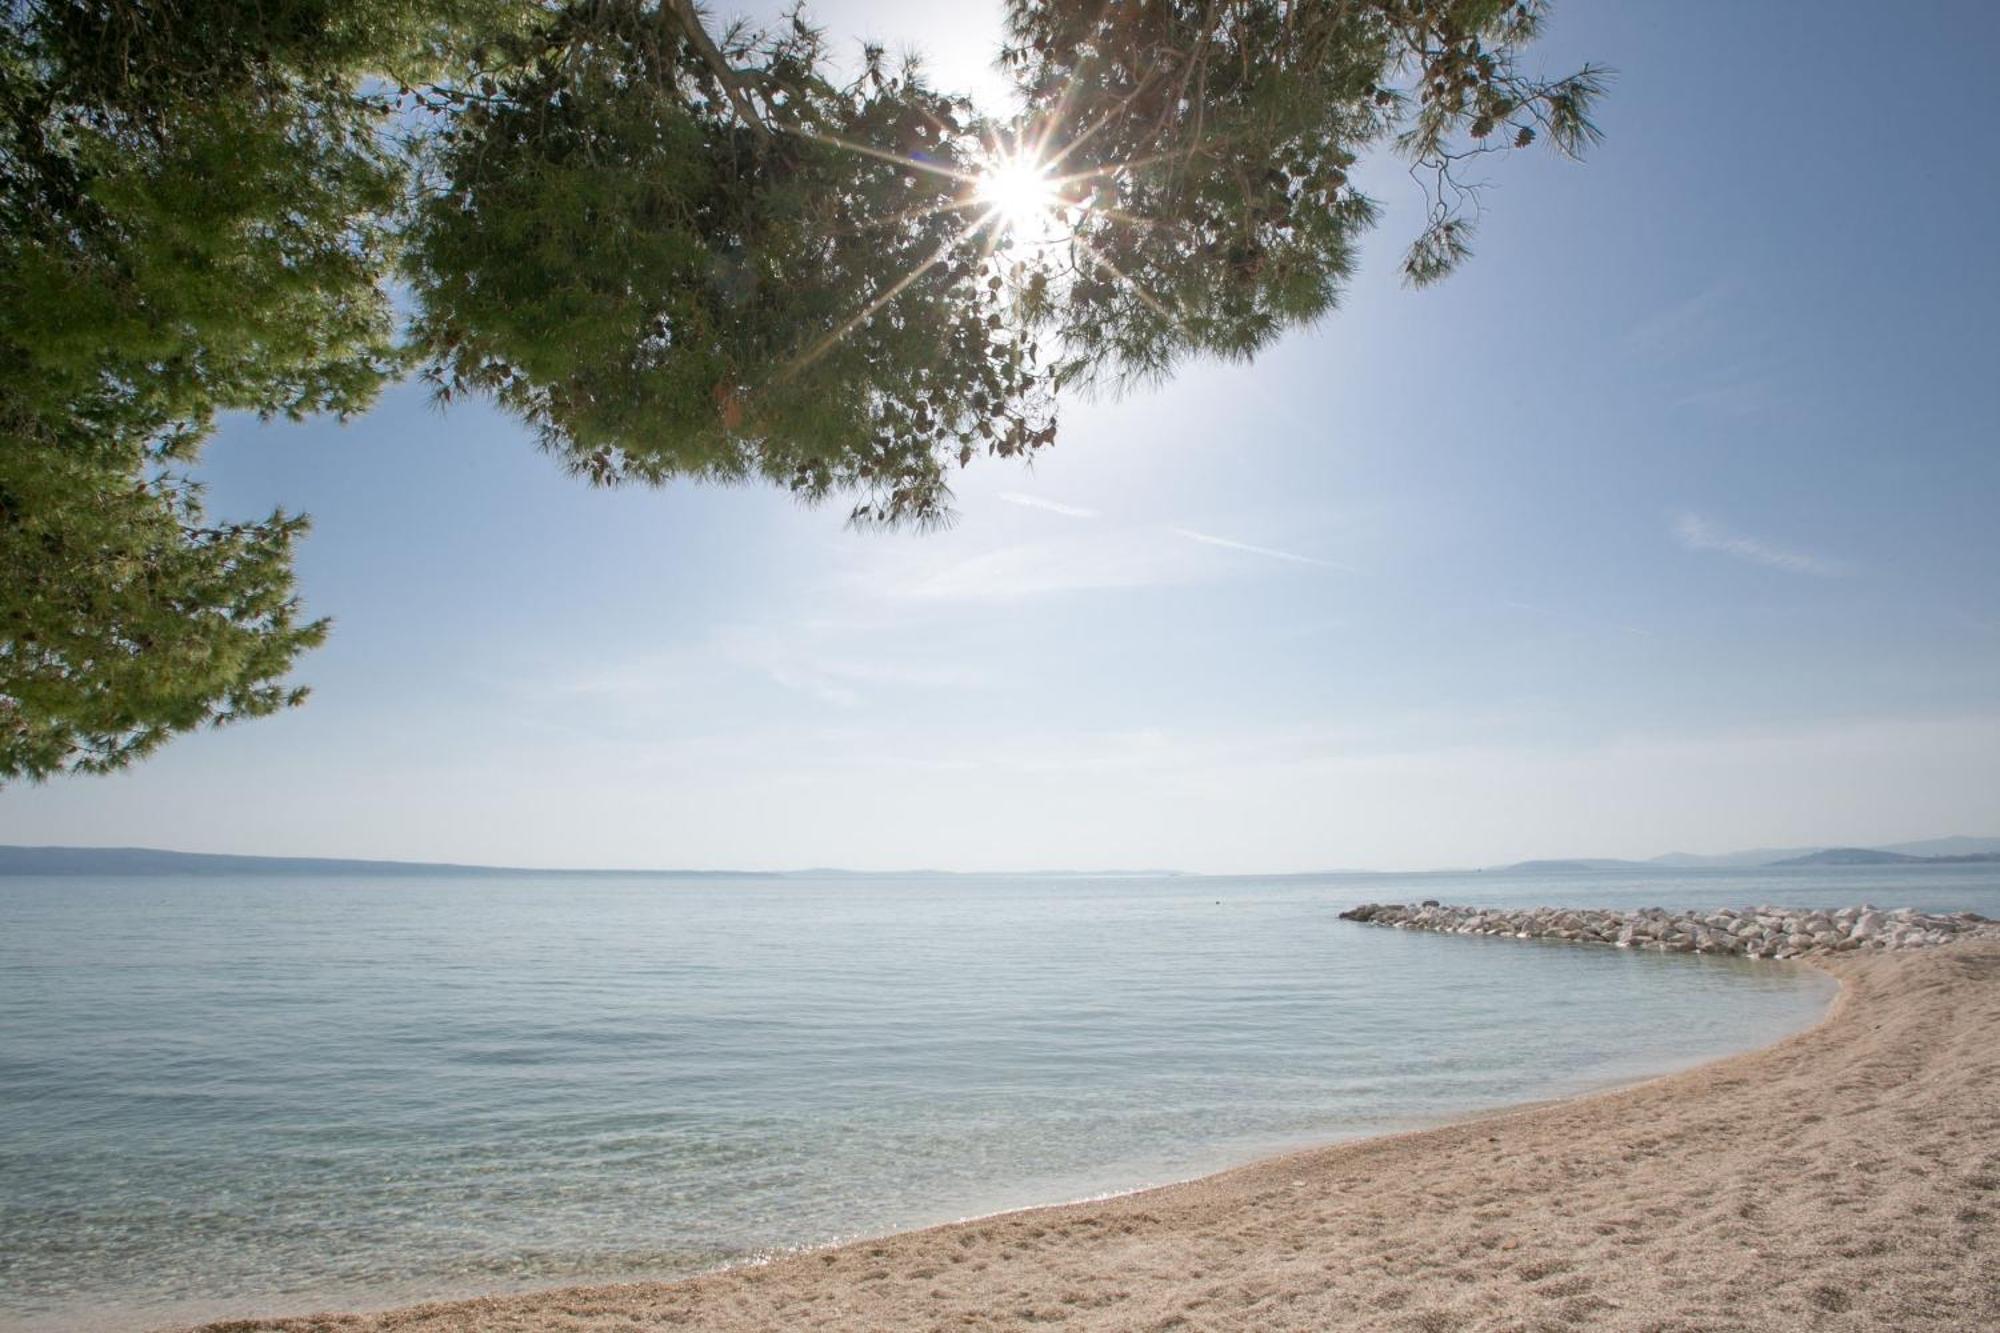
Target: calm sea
(241, 1095)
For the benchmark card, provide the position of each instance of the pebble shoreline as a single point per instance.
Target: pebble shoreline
(1745, 932)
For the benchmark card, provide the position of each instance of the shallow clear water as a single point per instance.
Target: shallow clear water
(233, 1094)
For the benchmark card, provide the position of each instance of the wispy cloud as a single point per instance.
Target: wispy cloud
(819, 661)
(1683, 326)
(1720, 344)
(827, 662)
(812, 684)
(1699, 534)
(1268, 552)
(1049, 506)
(1067, 565)
(1119, 559)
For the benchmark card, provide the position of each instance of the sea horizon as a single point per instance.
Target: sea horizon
(70, 858)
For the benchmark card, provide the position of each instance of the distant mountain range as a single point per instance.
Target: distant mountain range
(1876, 856)
(1932, 851)
(154, 861)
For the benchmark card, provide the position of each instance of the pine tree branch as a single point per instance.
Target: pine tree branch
(725, 73)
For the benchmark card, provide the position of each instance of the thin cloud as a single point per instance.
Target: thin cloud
(1270, 553)
(1683, 326)
(1699, 534)
(1049, 506)
(1717, 341)
(819, 660)
(813, 685)
(1092, 563)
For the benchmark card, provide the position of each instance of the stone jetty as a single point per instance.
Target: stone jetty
(1747, 932)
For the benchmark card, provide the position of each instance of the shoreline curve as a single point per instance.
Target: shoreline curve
(1844, 1177)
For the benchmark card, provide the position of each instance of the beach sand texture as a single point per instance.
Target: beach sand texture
(1845, 1179)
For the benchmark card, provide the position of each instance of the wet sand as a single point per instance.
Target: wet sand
(1847, 1178)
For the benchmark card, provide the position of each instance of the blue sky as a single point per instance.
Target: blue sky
(1668, 523)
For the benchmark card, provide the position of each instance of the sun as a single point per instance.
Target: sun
(1021, 194)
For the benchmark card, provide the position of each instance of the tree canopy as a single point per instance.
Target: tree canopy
(201, 215)
(674, 250)
(677, 260)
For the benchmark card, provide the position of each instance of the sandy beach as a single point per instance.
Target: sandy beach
(1847, 1178)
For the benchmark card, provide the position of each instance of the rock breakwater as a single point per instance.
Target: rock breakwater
(1747, 932)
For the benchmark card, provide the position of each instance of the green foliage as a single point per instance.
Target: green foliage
(677, 257)
(1206, 150)
(197, 212)
(673, 254)
(125, 618)
(670, 275)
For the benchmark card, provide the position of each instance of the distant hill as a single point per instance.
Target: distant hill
(1878, 856)
(1850, 856)
(1945, 847)
(1577, 864)
(1755, 856)
(16, 860)
(154, 861)
(1933, 851)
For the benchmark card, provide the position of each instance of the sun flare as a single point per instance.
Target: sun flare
(1022, 196)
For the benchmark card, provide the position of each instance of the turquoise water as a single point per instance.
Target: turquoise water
(242, 1095)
